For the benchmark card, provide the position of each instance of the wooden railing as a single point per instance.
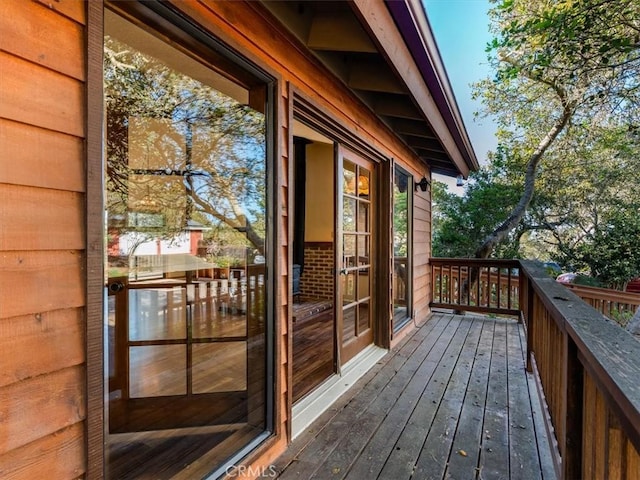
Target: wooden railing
(587, 369)
(611, 303)
(479, 285)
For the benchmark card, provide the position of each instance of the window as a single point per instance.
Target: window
(401, 248)
(187, 323)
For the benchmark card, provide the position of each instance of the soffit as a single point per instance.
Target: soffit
(343, 36)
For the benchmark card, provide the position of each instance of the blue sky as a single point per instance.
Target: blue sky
(462, 33)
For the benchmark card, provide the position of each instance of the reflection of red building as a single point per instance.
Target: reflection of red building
(190, 240)
(195, 239)
(113, 243)
(634, 285)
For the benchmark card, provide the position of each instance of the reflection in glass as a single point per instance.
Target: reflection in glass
(349, 178)
(364, 182)
(185, 193)
(349, 215)
(363, 317)
(151, 378)
(157, 314)
(219, 367)
(349, 287)
(349, 251)
(349, 323)
(401, 247)
(364, 255)
(363, 217)
(364, 284)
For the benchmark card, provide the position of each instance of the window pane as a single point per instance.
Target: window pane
(364, 284)
(364, 254)
(363, 318)
(349, 251)
(349, 178)
(364, 179)
(219, 367)
(401, 248)
(157, 314)
(349, 323)
(157, 370)
(349, 287)
(349, 215)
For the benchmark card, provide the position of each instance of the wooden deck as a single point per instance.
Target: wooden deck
(453, 400)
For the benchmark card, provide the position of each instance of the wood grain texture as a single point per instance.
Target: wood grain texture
(57, 397)
(38, 344)
(55, 101)
(36, 282)
(431, 408)
(73, 9)
(42, 36)
(40, 219)
(40, 158)
(55, 456)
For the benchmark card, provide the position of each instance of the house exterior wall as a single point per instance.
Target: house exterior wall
(43, 300)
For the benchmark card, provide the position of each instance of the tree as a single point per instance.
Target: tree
(560, 66)
(584, 213)
(461, 222)
(580, 194)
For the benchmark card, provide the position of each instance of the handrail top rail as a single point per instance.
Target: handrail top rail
(497, 262)
(606, 293)
(610, 353)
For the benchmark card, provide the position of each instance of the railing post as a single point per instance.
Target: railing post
(526, 302)
(573, 404)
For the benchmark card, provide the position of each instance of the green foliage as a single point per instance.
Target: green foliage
(460, 223)
(587, 281)
(612, 251)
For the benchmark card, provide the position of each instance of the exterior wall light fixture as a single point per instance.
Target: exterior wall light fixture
(423, 184)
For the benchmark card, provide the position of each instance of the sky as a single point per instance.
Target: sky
(461, 29)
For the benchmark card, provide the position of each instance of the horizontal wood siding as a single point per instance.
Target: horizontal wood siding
(421, 253)
(42, 297)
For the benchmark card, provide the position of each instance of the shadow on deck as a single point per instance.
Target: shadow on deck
(452, 400)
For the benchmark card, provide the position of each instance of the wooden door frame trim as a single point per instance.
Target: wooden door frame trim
(305, 109)
(94, 424)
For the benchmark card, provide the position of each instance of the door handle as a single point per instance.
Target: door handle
(116, 287)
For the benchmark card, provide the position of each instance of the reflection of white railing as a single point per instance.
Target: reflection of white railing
(205, 297)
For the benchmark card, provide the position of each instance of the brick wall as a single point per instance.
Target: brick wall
(318, 275)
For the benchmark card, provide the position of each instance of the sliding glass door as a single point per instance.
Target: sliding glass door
(186, 278)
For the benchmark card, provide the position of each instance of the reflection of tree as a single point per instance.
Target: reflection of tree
(400, 223)
(178, 149)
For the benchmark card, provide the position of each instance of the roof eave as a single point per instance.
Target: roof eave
(413, 25)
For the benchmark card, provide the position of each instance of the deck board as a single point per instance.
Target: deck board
(451, 401)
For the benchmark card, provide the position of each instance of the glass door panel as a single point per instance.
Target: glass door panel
(358, 181)
(186, 218)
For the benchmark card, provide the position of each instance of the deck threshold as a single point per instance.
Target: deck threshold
(311, 406)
